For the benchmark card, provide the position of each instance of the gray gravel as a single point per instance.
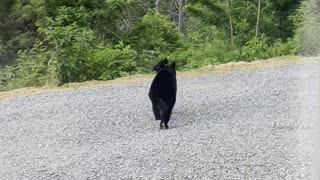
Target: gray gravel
(242, 125)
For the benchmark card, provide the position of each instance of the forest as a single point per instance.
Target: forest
(53, 42)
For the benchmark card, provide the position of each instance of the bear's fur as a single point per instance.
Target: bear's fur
(163, 91)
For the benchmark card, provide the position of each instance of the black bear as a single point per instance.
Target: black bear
(163, 91)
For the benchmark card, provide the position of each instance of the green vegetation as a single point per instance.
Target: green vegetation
(53, 42)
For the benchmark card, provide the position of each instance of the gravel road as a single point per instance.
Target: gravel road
(241, 125)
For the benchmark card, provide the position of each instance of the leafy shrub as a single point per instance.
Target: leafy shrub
(146, 59)
(4, 77)
(194, 57)
(155, 32)
(30, 70)
(204, 47)
(279, 48)
(260, 48)
(72, 46)
(110, 63)
(255, 49)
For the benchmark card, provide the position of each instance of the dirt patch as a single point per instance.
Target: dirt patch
(219, 69)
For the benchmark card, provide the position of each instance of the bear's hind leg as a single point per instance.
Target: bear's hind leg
(166, 116)
(161, 124)
(156, 111)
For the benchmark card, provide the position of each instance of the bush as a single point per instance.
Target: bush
(255, 49)
(259, 48)
(73, 45)
(281, 49)
(4, 78)
(30, 70)
(110, 63)
(155, 32)
(215, 50)
(194, 58)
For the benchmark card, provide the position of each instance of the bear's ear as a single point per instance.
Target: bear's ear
(160, 65)
(154, 68)
(165, 61)
(173, 65)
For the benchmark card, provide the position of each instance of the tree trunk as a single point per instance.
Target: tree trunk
(129, 22)
(171, 9)
(180, 15)
(258, 18)
(231, 24)
(157, 6)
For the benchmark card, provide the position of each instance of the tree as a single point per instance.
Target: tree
(307, 21)
(258, 18)
(157, 6)
(231, 23)
(180, 15)
(65, 41)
